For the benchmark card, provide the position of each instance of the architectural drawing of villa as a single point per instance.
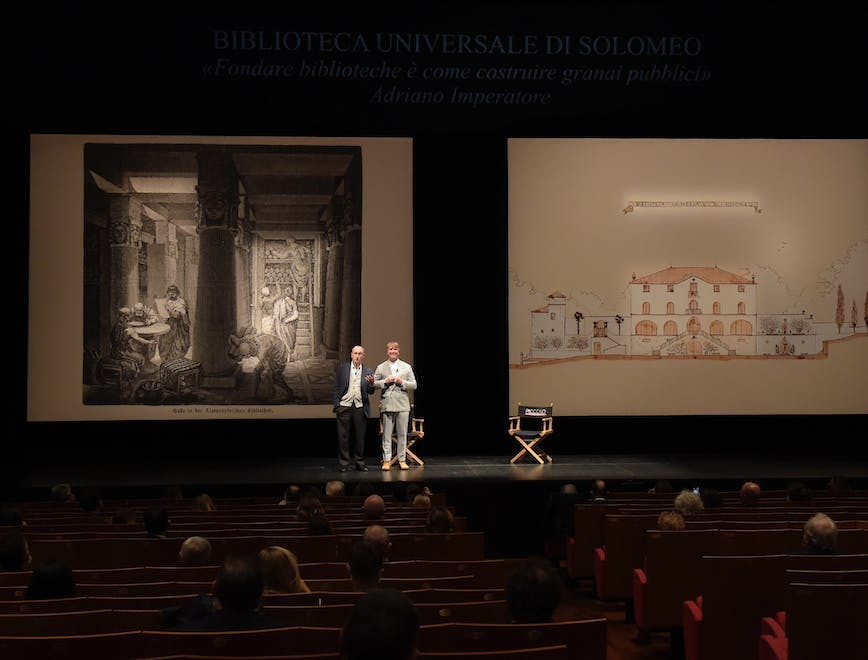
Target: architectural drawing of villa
(675, 312)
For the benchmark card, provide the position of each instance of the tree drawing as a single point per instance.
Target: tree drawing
(578, 316)
(839, 310)
(866, 308)
(557, 342)
(853, 315)
(619, 320)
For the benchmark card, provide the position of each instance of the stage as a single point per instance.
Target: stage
(628, 471)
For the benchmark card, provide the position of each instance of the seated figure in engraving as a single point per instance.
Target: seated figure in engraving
(126, 343)
(142, 315)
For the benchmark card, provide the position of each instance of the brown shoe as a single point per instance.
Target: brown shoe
(403, 465)
(386, 467)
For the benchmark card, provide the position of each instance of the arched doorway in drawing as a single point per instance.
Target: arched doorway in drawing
(694, 347)
(693, 326)
(598, 349)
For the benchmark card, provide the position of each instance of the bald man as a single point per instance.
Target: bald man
(354, 382)
(749, 493)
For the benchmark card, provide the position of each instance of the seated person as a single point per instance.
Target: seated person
(203, 503)
(440, 521)
(156, 520)
(335, 488)
(533, 592)
(688, 503)
(237, 599)
(749, 494)
(52, 579)
(374, 507)
(14, 553)
(62, 493)
(670, 520)
(127, 344)
(379, 535)
(280, 570)
(820, 535)
(195, 551)
(142, 315)
(382, 626)
(365, 565)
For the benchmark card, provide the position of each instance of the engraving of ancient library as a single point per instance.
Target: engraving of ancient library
(700, 312)
(219, 274)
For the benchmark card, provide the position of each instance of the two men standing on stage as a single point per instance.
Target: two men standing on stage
(354, 382)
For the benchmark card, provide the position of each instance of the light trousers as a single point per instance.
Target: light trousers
(395, 422)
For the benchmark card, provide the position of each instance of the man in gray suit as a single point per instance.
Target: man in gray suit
(395, 378)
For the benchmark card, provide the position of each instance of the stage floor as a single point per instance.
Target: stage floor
(263, 471)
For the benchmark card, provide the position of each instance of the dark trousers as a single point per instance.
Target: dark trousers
(351, 421)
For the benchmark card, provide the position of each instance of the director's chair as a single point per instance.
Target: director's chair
(529, 427)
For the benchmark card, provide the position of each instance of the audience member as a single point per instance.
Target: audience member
(309, 506)
(319, 525)
(382, 626)
(280, 571)
(840, 485)
(203, 503)
(413, 490)
(195, 551)
(374, 507)
(62, 493)
(365, 565)
(156, 519)
(291, 492)
(533, 592)
(124, 517)
(670, 520)
(52, 579)
(379, 535)
(661, 486)
(711, 498)
(750, 492)
(560, 514)
(89, 500)
(422, 500)
(820, 536)
(688, 503)
(440, 521)
(797, 491)
(335, 488)
(598, 491)
(14, 553)
(237, 599)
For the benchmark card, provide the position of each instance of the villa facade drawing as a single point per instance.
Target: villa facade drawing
(694, 311)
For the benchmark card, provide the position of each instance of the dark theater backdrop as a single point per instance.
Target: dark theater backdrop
(457, 83)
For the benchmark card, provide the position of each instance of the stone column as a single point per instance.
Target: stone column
(351, 288)
(334, 281)
(125, 217)
(215, 312)
(162, 261)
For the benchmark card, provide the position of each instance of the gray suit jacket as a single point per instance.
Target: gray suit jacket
(394, 398)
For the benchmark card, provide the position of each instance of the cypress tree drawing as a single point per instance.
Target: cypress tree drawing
(839, 310)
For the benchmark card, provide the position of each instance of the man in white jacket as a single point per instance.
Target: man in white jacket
(395, 378)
